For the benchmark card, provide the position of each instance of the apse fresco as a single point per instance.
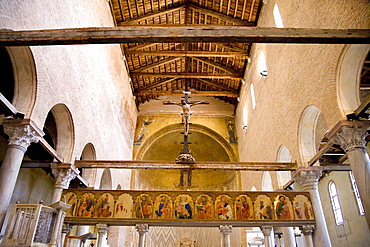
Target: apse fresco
(189, 205)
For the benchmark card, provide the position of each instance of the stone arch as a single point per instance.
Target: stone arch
(64, 130)
(106, 180)
(311, 130)
(177, 128)
(25, 80)
(348, 76)
(283, 155)
(267, 181)
(89, 153)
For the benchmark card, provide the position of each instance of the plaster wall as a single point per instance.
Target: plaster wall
(354, 230)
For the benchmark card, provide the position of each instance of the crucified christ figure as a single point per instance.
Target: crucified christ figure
(186, 111)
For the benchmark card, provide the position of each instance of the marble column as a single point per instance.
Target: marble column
(308, 179)
(288, 237)
(266, 230)
(352, 141)
(307, 231)
(63, 177)
(102, 230)
(21, 133)
(226, 231)
(142, 229)
(65, 230)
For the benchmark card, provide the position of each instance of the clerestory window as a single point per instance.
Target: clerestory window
(357, 194)
(335, 203)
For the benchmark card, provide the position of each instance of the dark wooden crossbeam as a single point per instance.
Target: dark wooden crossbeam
(215, 34)
(198, 93)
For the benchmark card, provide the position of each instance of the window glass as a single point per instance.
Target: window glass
(335, 203)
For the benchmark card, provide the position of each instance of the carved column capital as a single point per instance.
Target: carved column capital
(63, 177)
(226, 229)
(350, 137)
(21, 133)
(307, 229)
(142, 228)
(266, 230)
(102, 228)
(307, 177)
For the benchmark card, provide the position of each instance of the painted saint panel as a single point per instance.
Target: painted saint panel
(303, 208)
(163, 207)
(184, 207)
(283, 208)
(243, 208)
(124, 206)
(105, 206)
(86, 205)
(143, 207)
(204, 207)
(263, 208)
(224, 207)
(71, 199)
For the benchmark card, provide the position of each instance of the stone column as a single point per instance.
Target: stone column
(102, 230)
(308, 179)
(352, 141)
(288, 237)
(226, 231)
(21, 133)
(142, 229)
(65, 230)
(63, 177)
(307, 231)
(266, 230)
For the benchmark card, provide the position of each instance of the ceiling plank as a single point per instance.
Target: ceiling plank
(139, 47)
(188, 53)
(216, 65)
(214, 84)
(151, 15)
(213, 34)
(188, 75)
(220, 16)
(159, 83)
(198, 93)
(159, 63)
(230, 48)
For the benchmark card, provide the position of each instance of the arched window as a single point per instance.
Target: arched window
(335, 203)
(357, 194)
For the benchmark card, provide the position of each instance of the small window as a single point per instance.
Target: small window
(357, 194)
(335, 203)
(253, 97)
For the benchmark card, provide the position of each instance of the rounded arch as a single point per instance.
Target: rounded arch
(25, 80)
(89, 153)
(64, 131)
(348, 76)
(267, 181)
(311, 130)
(195, 128)
(106, 180)
(283, 155)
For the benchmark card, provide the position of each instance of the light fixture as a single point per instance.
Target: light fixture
(245, 127)
(264, 73)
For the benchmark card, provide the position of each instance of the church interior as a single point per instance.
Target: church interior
(136, 105)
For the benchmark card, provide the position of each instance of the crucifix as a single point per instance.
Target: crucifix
(185, 156)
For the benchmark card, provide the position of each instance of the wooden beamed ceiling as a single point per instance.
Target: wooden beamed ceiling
(209, 69)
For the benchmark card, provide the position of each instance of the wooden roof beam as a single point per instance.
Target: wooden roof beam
(188, 53)
(212, 34)
(159, 63)
(198, 93)
(188, 75)
(221, 16)
(151, 15)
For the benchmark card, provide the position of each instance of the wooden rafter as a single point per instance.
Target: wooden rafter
(159, 83)
(216, 65)
(184, 53)
(159, 63)
(150, 15)
(199, 93)
(214, 84)
(188, 75)
(213, 34)
(221, 16)
(139, 47)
